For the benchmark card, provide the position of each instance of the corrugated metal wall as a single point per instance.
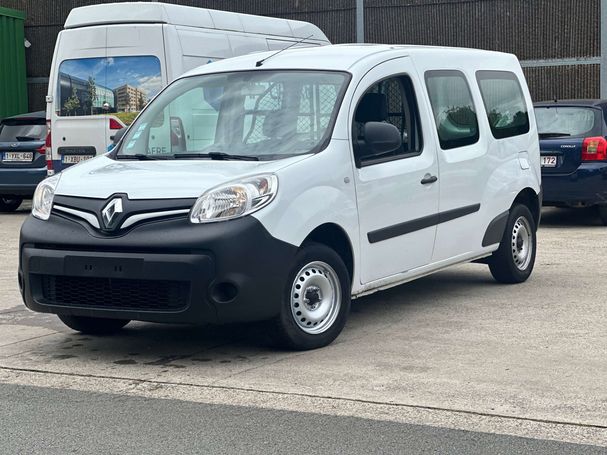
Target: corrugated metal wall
(531, 29)
(13, 92)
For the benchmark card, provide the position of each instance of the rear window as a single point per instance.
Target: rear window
(504, 103)
(107, 85)
(453, 108)
(567, 121)
(21, 131)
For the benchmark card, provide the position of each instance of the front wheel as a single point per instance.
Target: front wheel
(316, 300)
(10, 203)
(93, 326)
(513, 261)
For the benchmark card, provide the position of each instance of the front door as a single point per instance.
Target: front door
(397, 191)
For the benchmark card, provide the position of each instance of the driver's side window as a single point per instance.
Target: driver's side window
(391, 101)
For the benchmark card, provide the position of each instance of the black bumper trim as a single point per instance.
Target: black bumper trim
(240, 252)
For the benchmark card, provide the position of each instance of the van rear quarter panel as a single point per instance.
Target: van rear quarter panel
(491, 172)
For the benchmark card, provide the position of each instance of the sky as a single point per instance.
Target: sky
(112, 72)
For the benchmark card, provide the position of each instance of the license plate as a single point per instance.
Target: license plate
(18, 156)
(548, 161)
(74, 159)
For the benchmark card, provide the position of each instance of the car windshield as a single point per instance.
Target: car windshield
(566, 121)
(18, 131)
(261, 115)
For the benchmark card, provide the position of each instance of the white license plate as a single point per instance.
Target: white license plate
(548, 161)
(74, 159)
(18, 156)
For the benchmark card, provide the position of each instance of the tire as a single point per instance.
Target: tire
(93, 326)
(602, 210)
(316, 300)
(10, 203)
(514, 259)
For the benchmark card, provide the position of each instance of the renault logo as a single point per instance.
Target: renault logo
(111, 212)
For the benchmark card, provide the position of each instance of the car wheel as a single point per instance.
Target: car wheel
(10, 203)
(316, 300)
(602, 209)
(93, 326)
(513, 261)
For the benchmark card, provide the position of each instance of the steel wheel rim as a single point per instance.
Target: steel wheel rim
(315, 297)
(522, 243)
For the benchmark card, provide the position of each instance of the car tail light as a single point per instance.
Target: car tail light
(115, 124)
(47, 149)
(594, 149)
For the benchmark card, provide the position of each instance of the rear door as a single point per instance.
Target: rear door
(106, 77)
(562, 130)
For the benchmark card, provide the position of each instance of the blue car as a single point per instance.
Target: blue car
(22, 158)
(573, 149)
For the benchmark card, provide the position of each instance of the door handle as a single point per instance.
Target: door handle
(429, 179)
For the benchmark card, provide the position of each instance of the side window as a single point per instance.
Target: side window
(504, 103)
(389, 101)
(453, 109)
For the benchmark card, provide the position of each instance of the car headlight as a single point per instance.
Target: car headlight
(42, 202)
(235, 199)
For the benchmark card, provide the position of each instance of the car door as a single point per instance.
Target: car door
(396, 192)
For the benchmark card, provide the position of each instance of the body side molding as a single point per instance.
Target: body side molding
(420, 223)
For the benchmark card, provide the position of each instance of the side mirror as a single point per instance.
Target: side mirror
(381, 138)
(118, 135)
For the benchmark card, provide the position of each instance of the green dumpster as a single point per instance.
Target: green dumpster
(13, 84)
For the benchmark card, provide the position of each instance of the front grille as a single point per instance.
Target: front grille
(115, 293)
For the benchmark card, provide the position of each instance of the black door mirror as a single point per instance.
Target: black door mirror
(118, 135)
(381, 138)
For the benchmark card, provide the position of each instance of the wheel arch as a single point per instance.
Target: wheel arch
(334, 237)
(531, 200)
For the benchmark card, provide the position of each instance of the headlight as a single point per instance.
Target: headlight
(234, 200)
(42, 202)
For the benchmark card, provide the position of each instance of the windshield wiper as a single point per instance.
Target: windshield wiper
(546, 135)
(216, 156)
(27, 138)
(141, 157)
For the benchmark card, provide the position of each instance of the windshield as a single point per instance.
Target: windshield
(254, 114)
(114, 85)
(566, 121)
(15, 131)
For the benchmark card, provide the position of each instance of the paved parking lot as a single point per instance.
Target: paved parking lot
(453, 350)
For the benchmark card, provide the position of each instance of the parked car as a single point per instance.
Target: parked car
(324, 173)
(573, 149)
(111, 59)
(22, 158)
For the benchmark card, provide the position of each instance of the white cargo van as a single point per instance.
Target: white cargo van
(323, 174)
(112, 59)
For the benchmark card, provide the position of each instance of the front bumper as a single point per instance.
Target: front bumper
(163, 271)
(20, 181)
(584, 187)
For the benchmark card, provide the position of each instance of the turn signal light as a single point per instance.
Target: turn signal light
(594, 149)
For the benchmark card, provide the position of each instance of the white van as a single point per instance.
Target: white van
(330, 173)
(112, 59)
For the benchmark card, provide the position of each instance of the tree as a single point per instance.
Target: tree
(72, 103)
(140, 102)
(92, 92)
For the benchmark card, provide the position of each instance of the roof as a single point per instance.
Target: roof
(162, 13)
(577, 102)
(340, 57)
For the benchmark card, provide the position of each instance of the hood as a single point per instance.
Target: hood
(172, 179)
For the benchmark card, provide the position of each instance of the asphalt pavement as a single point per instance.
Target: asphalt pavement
(50, 421)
